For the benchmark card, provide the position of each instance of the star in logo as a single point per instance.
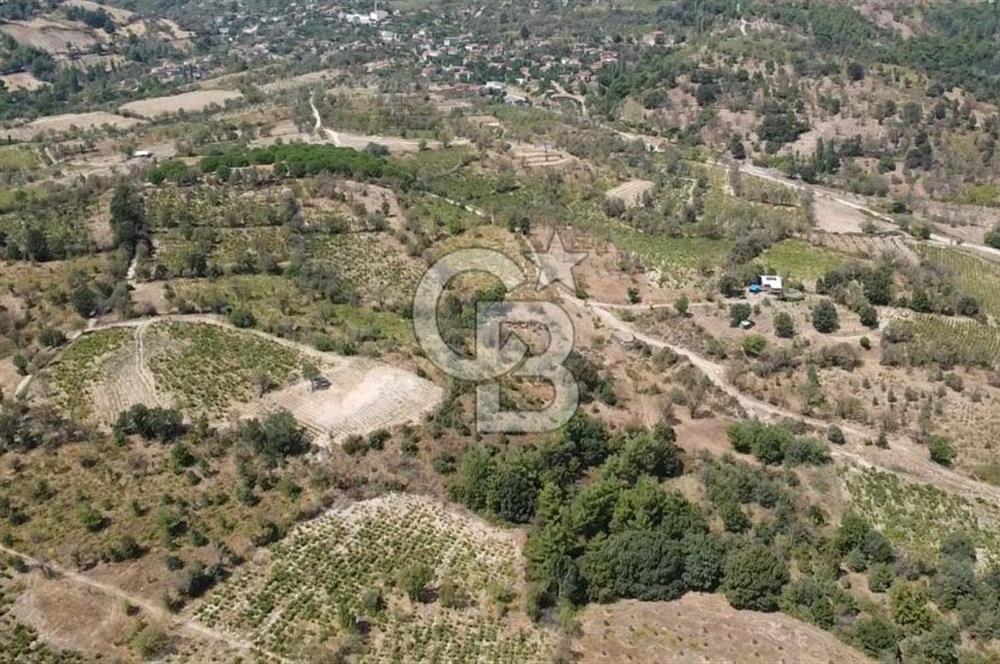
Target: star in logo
(556, 264)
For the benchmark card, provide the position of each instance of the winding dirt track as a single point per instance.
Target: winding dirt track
(904, 458)
(192, 627)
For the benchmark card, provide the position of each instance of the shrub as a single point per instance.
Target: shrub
(941, 450)
(939, 645)
(444, 463)
(774, 444)
(278, 435)
(754, 578)
(513, 492)
(354, 444)
(877, 636)
(784, 326)
(992, 237)
(451, 595)
(754, 345)
(51, 337)
(824, 317)
(647, 454)
(868, 315)
(163, 424)
(806, 451)
(734, 519)
(880, 577)
(703, 561)
(149, 641)
(646, 565)
(413, 579)
(835, 435)
(126, 548)
(91, 519)
(738, 313)
(377, 439)
(241, 318)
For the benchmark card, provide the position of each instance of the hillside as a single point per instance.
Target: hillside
(531, 331)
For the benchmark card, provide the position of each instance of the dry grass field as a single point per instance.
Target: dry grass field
(190, 102)
(22, 81)
(60, 124)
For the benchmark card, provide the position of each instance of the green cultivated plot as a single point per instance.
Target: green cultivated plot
(78, 366)
(801, 260)
(918, 517)
(974, 276)
(351, 564)
(208, 368)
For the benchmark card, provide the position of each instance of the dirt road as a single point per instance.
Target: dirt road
(157, 613)
(320, 129)
(905, 457)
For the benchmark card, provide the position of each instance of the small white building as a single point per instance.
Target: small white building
(771, 283)
(142, 154)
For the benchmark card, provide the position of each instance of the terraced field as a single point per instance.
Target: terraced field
(865, 246)
(677, 259)
(301, 598)
(203, 367)
(370, 262)
(953, 340)
(227, 247)
(978, 278)
(919, 516)
(631, 193)
(209, 368)
(76, 372)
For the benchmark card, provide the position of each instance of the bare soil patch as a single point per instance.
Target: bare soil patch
(687, 630)
(363, 395)
(73, 617)
(835, 217)
(362, 398)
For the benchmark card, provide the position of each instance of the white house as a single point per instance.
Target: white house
(771, 283)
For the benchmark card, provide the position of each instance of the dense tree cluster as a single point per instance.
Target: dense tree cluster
(163, 424)
(301, 159)
(776, 444)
